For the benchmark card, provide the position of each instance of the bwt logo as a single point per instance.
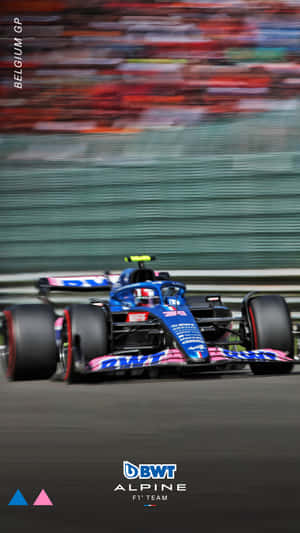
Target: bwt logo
(148, 471)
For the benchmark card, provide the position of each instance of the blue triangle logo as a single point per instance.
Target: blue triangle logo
(18, 499)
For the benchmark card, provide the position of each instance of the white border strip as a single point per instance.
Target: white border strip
(248, 273)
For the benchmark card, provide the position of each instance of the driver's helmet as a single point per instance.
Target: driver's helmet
(143, 296)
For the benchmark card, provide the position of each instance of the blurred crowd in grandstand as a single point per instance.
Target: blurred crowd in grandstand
(106, 66)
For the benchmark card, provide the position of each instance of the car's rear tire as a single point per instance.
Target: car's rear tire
(84, 336)
(31, 351)
(270, 327)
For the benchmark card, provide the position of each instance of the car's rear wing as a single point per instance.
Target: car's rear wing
(94, 282)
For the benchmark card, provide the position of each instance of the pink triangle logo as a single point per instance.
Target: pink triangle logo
(42, 499)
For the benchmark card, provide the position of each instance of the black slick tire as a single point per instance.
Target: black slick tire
(84, 336)
(31, 351)
(270, 327)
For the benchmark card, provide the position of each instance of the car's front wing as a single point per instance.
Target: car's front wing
(174, 357)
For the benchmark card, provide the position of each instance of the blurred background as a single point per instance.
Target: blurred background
(170, 128)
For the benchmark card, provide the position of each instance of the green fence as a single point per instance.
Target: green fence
(82, 202)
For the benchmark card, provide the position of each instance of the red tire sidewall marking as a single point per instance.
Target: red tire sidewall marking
(70, 354)
(11, 363)
(253, 327)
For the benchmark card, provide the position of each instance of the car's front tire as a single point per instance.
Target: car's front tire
(270, 327)
(84, 336)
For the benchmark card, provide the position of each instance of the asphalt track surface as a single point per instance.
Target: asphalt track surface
(235, 439)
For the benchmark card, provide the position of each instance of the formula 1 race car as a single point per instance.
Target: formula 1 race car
(147, 322)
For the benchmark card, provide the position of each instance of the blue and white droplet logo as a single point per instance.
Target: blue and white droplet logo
(130, 471)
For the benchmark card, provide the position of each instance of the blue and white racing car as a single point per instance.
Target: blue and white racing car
(147, 322)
